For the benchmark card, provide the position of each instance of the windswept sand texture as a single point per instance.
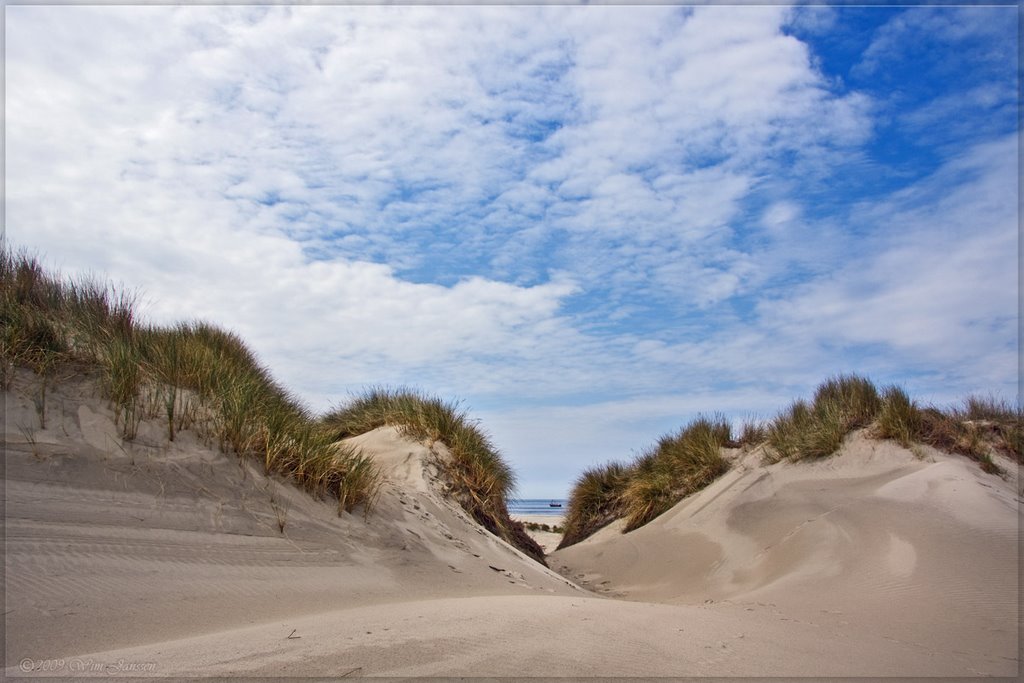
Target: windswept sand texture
(167, 558)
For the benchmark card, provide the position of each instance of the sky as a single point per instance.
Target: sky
(587, 224)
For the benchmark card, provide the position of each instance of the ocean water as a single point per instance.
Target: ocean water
(536, 506)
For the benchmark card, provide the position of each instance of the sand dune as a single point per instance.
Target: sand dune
(168, 559)
(115, 544)
(875, 540)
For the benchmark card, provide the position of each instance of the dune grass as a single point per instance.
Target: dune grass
(682, 464)
(842, 404)
(477, 475)
(539, 526)
(753, 432)
(976, 430)
(190, 374)
(595, 501)
(677, 466)
(899, 417)
(817, 429)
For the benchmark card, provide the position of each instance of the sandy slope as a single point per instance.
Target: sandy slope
(167, 559)
(871, 543)
(113, 544)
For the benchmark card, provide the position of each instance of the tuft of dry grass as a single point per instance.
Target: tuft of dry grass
(477, 475)
(30, 336)
(817, 429)
(899, 418)
(988, 408)
(855, 397)
(677, 466)
(753, 433)
(977, 429)
(596, 500)
(651, 492)
(947, 432)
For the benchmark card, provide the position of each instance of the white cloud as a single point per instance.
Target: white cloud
(779, 215)
(813, 19)
(918, 28)
(935, 280)
(382, 134)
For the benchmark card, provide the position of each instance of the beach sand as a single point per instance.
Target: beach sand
(156, 558)
(548, 540)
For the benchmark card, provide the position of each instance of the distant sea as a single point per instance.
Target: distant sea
(536, 506)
